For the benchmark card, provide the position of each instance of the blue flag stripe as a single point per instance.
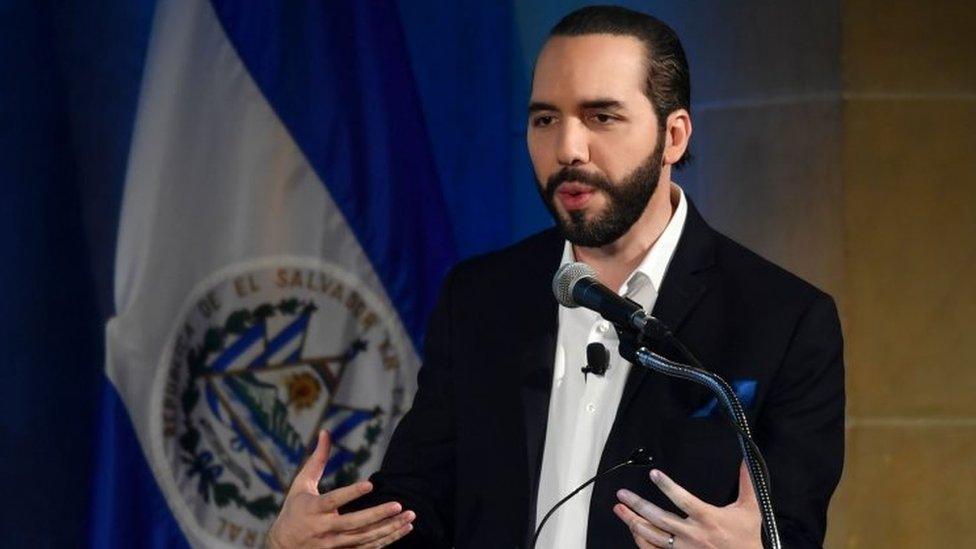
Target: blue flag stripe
(294, 329)
(340, 458)
(243, 343)
(124, 477)
(354, 420)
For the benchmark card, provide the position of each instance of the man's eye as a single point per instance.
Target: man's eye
(540, 121)
(603, 118)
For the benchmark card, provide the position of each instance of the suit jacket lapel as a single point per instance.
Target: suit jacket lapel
(685, 282)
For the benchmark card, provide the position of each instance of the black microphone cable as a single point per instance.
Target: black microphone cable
(638, 458)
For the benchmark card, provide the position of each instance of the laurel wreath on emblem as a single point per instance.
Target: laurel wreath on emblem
(201, 463)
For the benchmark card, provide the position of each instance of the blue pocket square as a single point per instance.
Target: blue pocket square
(745, 389)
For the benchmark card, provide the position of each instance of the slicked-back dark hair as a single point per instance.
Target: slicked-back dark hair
(668, 85)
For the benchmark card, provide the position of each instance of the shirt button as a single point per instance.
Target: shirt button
(591, 407)
(603, 326)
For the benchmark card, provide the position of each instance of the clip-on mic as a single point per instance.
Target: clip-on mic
(597, 359)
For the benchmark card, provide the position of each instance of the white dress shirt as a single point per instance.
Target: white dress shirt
(581, 411)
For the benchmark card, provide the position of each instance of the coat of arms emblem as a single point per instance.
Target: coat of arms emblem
(265, 356)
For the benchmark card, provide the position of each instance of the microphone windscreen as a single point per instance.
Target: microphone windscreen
(597, 358)
(566, 278)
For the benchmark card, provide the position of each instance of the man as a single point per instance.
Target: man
(505, 424)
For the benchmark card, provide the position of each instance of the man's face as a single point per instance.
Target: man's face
(593, 135)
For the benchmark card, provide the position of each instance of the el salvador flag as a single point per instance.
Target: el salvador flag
(281, 241)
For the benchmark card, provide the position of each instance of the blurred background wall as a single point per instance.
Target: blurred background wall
(835, 138)
(908, 174)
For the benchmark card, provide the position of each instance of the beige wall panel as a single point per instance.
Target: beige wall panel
(906, 486)
(910, 202)
(769, 177)
(908, 46)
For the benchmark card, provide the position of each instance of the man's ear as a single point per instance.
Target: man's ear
(677, 134)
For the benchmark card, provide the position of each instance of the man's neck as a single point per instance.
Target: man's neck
(615, 261)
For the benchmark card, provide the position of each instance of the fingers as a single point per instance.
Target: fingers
(747, 493)
(657, 517)
(682, 498)
(378, 534)
(331, 501)
(642, 544)
(307, 479)
(366, 517)
(399, 533)
(645, 534)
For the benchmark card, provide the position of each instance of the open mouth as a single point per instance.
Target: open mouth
(574, 196)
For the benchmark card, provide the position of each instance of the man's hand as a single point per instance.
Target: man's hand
(310, 519)
(735, 525)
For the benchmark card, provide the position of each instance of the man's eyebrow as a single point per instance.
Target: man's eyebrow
(600, 103)
(537, 106)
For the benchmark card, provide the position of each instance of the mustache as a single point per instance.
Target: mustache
(579, 175)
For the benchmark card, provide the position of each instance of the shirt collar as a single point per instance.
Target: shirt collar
(655, 263)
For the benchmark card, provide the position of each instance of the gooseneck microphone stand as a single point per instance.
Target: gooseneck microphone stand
(633, 347)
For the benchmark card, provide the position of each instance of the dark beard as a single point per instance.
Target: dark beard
(626, 202)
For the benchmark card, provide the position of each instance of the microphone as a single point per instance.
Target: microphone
(597, 359)
(575, 285)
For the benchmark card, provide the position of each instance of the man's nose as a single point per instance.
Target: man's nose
(573, 147)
